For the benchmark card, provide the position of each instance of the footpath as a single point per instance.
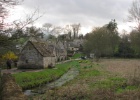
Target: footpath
(16, 70)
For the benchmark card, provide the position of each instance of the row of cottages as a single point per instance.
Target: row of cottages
(75, 45)
(59, 50)
(36, 54)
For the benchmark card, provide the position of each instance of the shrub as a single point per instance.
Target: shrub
(9, 55)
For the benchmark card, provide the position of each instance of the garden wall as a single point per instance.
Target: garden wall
(10, 90)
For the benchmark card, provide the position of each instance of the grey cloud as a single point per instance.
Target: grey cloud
(87, 12)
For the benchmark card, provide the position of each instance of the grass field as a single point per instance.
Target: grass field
(109, 79)
(29, 80)
(77, 55)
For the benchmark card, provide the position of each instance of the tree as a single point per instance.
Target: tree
(135, 42)
(101, 42)
(124, 48)
(81, 36)
(34, 32)
(112, 26)
(87, 36)
(48, 27)
(68, 30)
(29, 20)
(53, 30)
(19, 36)
(134, 16)
(76, 28)
(62, 37)
(134, 13)
(4, 6)
(5, 41)
(52, 37)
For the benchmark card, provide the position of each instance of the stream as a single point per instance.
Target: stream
(71, 74)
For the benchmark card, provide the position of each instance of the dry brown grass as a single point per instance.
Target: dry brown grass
(79, 88)
(123, 67)
(128, 68)
(73, 92)
(108, 94)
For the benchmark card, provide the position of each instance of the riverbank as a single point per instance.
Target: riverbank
(71, 74)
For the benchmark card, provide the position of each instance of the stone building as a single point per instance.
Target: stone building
(58, 49)
(61, 51)
(36, 54)
(75, 45)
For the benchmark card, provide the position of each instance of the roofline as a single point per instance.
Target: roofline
(36, 49)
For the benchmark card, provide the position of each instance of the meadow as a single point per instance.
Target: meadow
(108, 79)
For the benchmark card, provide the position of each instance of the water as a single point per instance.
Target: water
(71, 74)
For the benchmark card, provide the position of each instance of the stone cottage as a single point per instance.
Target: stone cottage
(75, 45)
(36, 55)
(58, 49)
(61, 51)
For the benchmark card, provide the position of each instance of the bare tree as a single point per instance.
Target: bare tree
(4, 6)
(76, 28)
(48, 27)
(57, 30)
(134, 13)
(29, 20)
(53, 30)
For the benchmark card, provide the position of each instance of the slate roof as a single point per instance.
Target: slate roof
(72, 44)
(76, 43)
(42, 48)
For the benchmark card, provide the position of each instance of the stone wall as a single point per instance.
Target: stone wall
(30, 58)
(48, 60)
(10, 90)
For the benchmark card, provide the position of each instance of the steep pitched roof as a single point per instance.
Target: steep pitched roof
(42, 48)
(72, 44)
(76, 43)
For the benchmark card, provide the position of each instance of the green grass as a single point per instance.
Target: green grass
(96, 81)
(113, 82)
(89, 73)
(33, 79)
(127, 88)
(76, 55)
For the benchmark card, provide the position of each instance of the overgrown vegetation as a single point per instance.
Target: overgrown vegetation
(96, 82)
(33, 79)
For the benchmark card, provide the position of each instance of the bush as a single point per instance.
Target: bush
(9, 55)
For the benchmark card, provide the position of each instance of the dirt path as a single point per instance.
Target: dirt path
(15, 70)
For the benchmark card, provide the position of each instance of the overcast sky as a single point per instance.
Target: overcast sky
(89, 13)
